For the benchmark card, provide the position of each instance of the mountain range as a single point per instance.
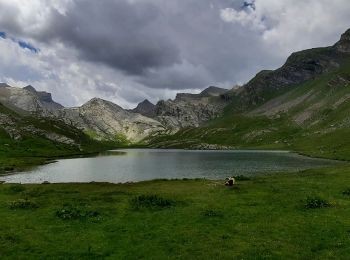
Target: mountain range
(103, 120)
(305, 102)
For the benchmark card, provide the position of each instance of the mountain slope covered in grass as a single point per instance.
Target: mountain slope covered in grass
(303, 106)
(27, 140)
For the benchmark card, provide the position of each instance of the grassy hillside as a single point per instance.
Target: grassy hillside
(33, 147)
(312, 118)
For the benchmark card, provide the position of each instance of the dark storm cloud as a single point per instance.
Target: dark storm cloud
(163, 44)
(123, 35)
(128, 50)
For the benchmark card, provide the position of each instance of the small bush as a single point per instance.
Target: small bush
(16, 188)
(212, 213)
(11, 238)
(74, 213)
(241, 178)
(22, 204)
(316, 203)
(151, 201)
(346, 192)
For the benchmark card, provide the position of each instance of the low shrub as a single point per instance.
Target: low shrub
(151, 201)
(212, 213)
(241, 178)
(22, 204)
(16, 188)
(346, 192)
(11, 238)
(75, 213)
(316, 203)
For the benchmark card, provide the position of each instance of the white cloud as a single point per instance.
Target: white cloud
(288, 26)
(245, 17)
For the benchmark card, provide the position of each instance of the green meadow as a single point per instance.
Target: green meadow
(302, 215)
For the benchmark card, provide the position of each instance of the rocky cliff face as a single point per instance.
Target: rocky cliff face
(102, 119)
(20, 127)
(343, 46)
(299, 67)
(19, 99)
(27, 100)
(190, 110)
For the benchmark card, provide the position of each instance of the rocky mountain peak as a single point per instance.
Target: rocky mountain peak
(4, 85)
(96, 101)
(145, 108)
(344, 44)
(100, 104)
(300, 67)
(346, 35)
(213, 91)
(45, 98)
(30, 88)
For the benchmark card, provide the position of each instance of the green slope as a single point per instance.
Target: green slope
(33, 147)
(312, 118)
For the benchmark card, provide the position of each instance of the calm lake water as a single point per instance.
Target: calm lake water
(147, 164)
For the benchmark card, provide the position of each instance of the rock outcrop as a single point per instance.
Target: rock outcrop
(19, 99)
(344, 44)
(19, 126)
(105, 120)
(27, 100)
(190, 110)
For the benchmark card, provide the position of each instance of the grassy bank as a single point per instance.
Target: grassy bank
(296, 216)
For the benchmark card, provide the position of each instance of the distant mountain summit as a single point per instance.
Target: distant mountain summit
(213, 91)
(344, 44)
(206, 93)
(45, 98)
(4, 85)
(145, 108)
(104, 120)
(191, 110)
(27, 99)
(300, 67)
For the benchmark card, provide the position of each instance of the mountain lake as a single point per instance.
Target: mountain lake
(132, 165)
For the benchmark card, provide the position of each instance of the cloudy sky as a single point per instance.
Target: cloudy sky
(129, 50)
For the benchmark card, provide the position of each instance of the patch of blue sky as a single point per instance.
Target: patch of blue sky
(249, 4)
(26, 45)
(21, 43)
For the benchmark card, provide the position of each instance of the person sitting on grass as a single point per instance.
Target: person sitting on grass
(230, 181)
